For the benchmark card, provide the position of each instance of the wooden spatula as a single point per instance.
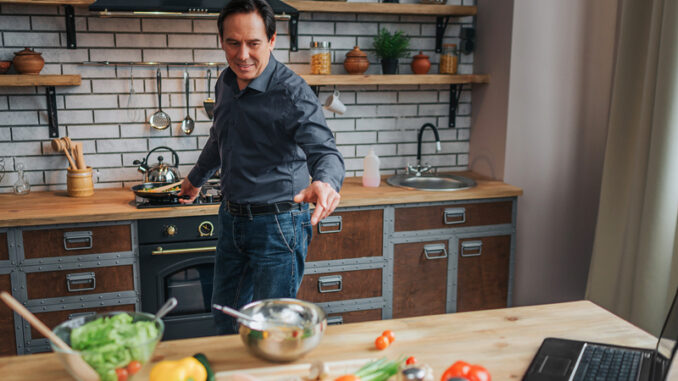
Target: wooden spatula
(77, 364)
(164, 187)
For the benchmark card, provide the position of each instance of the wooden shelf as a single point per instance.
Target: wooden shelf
(386, 8)
(396, 79)
(49, 2)
(39, 80)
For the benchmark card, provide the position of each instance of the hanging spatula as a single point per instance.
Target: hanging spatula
(209, 102)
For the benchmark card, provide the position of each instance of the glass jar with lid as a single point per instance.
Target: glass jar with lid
(449, 59)
(320, 57)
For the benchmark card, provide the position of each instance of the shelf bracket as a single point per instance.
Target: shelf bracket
(316, 90)
(52, 112)
(455, 93)
(70, 27)
(294, 32)
(441, 25)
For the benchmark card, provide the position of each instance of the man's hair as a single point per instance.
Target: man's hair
(248, 6)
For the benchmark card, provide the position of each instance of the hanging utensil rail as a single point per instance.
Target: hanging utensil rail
(152, 63)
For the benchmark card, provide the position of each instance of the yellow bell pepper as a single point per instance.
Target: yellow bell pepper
(186, 369)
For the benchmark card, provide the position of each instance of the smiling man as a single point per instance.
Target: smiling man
(269, 134)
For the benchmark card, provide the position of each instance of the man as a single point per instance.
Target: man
(268, 135)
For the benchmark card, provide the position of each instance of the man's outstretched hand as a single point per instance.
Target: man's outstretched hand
(323, 195)
(188, 189)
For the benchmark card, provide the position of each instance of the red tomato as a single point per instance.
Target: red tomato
(478, 373)
(133, 367)
(381, 342)
(411, 360)
(458, 369)
(122, 374)
(388, 333)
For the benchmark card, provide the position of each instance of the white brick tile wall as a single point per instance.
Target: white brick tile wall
(91, 101)
(338, 17)
(74, 117)
(379, 149)
(32, 102)
(23, 9)
(206, 26)
(4, 103)
(347, 151)
(122, 145)
(140, 40)
(375, 124)
(141, 130)
(12, 118)
(165, 55)
(377, 97)
(15, 22)
(418, 96)
(56, 23)
(115, 55)
(193, 41)
(166, 25)
(94, 131)
(64, 55)
(20, 149)
(355, 137)
(212, 55)
(360, 28)
(104, 24)
(94, 40)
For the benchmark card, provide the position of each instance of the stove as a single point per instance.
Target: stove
(210, 194)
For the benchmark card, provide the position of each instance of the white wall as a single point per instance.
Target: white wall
(561, 67)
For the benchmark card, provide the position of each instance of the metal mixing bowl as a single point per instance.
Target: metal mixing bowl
(284, 330)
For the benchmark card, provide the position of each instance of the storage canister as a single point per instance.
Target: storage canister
(320, 57)
(356, 61)
(79, 182)
(448, 59)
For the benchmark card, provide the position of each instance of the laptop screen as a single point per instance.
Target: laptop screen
(666, 345)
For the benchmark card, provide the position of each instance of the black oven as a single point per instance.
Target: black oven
(176, 259)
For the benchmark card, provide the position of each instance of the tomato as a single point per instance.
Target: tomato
(411, 360)
(478, 373)
(122, 374)
(388, 333)
(133, 367)
(381, 342)
(458, 369)
(347, 377)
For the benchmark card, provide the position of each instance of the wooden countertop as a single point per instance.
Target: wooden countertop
(45, 208)
(504, 341)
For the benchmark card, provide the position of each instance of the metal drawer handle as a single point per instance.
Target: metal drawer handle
(330, 221)
(435, 248)
(160, 251)
(81, 315)
(78, 237)
(333, 281)
(335, 320)
(453, 216)
(81, 278)
(471, 248)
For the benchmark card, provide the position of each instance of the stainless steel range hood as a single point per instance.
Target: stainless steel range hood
(176, 8)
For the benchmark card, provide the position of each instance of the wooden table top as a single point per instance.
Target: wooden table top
(503, 340)
(45, 208)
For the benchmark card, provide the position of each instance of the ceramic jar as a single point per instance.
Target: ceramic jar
(420, 64)
(28, 61)
(356, 61)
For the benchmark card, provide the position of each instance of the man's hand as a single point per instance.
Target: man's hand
(323, 195)
(188, 189)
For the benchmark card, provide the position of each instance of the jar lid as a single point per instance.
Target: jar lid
(421, 55)
(449, 45)
(356, 52)
(27, 52)
(321, 44)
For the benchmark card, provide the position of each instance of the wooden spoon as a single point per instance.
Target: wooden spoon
(79, 157)
(164, 187)
(59, 146)
(82, 369)
(71, 148)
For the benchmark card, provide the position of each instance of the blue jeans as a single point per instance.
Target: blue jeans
(258, 257)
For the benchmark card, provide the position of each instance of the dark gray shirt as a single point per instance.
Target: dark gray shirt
(268, 138)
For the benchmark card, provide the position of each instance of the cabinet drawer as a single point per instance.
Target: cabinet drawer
(76, 241)
(330, 287)
(8, 346)
(348, 235)
(54, 318)
(483, 273)
(353, 316)
(53, 284)
(420, 278)
(4, 249)
(454, 215)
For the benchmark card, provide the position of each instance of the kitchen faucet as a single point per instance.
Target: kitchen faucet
(419, 170)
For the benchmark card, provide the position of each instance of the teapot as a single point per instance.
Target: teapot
(160, 172)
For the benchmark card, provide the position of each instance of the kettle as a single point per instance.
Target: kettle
(160, 172)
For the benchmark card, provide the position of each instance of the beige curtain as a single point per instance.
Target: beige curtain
(634, 267)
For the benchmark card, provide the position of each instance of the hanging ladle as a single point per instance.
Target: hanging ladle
(159, 120)
(187, 124)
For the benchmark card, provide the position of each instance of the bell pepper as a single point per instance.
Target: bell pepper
(186, 369)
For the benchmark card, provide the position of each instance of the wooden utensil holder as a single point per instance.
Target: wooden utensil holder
(79, 182)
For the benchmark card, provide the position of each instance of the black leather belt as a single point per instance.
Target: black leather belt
(246, 210)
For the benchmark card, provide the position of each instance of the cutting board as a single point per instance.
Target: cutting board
(292, 371)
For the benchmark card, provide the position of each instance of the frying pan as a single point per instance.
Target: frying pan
(142, 190)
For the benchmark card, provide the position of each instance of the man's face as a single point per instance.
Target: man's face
(246, 46)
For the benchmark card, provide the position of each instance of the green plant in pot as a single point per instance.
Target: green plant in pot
(389, 47)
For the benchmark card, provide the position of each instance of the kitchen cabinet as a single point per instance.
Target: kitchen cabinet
(6, 322)
(483, 268)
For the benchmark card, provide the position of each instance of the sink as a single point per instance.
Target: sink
(442, 182)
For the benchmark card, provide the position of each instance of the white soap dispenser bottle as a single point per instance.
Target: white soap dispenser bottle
(371, 177)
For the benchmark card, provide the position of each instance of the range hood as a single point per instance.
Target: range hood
(176, 8)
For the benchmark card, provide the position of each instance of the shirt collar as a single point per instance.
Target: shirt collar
(259, 83)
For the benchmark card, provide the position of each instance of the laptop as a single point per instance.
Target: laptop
(562, 359)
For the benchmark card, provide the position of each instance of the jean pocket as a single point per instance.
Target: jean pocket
(287, 230)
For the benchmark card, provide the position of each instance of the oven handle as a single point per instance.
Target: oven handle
(160, 251)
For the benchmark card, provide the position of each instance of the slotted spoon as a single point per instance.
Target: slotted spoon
(159, 120)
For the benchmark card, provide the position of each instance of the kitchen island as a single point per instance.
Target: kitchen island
(502, 340)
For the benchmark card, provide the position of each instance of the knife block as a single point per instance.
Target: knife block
(79, 182)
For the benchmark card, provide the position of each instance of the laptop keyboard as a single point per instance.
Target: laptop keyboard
(601, 363)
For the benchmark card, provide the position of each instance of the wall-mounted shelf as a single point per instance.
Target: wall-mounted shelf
(49, 81)
(384, 8)
(395, 79)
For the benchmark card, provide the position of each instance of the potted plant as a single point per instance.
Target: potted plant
(389, 47)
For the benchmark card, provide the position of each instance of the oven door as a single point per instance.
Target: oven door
(184, 271)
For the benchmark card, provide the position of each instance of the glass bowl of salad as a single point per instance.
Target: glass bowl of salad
(115, 344)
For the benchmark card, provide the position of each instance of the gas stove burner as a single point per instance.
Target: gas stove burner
(210, 193)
